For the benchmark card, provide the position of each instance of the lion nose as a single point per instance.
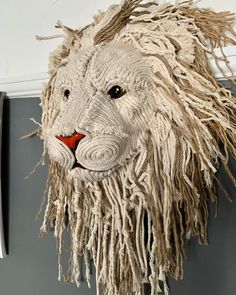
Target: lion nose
(72, 140)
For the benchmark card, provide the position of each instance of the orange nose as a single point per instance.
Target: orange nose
(71, 141)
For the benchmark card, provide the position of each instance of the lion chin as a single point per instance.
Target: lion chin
(89, 175)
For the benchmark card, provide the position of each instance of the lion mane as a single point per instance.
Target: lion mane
(132, 221)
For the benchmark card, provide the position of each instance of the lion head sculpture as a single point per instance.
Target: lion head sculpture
(135, 125)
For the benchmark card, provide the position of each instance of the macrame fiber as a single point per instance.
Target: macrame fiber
(136, 126)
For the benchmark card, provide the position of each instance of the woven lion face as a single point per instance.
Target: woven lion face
(135, 125)
(105, 102)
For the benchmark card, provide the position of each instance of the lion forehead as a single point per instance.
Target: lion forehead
(120, 61)
(103, 65)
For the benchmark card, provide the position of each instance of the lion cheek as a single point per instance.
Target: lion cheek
(101, 153)
(60, 153)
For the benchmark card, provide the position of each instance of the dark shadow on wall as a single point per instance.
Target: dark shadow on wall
(5, 169)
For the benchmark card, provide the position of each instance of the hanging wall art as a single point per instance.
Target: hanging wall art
(136, 126)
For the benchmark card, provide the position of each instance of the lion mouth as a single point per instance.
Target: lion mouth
(78, 165)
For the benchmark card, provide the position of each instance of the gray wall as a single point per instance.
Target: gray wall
(31, 267)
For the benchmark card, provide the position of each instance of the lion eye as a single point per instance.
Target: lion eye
(116, 92)
(66, 93)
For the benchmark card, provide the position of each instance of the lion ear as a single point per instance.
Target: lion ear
(71, 41)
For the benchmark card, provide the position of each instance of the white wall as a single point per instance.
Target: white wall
(20, 20)
(219, 4)
(22, 58)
